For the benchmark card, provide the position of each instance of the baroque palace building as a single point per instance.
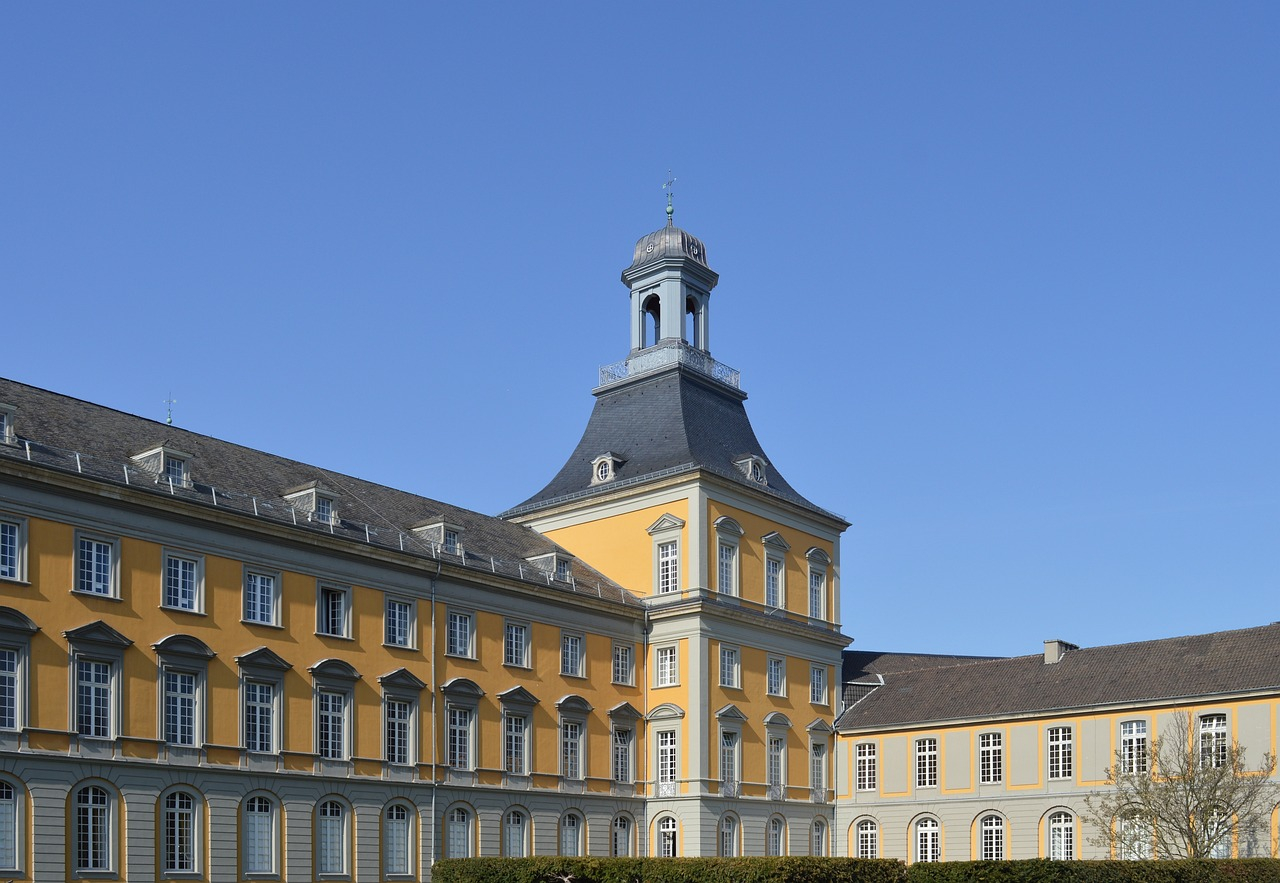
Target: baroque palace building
(220, 664)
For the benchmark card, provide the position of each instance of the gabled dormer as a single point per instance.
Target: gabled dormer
(8, 434)
(446, 535)
(559, 564)
(166, 463)
(317, 501)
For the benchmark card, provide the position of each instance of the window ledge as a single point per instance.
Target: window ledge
(398, 646)
(265, 625)
(520, 667)
(84, 594)
(335, 637)
(14, 581)
(190, 613)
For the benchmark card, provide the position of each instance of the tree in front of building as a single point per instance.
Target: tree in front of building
(1187, 794)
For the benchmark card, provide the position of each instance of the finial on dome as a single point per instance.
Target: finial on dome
(670, 188)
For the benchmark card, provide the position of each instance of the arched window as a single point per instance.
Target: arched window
(515, 834)
(652, 321)
(728, 836)
(667, 837)
(818, 838)
(992, 838)
(93, 834)
(868, 839)
(397, 840)
(331, 838)
(928, 841)
(1133, 836)
(259, 836)
(621, 845)
(571, 834)
(1218, 834)
(1062, 836)
(9, 827)
(775, 837)
(179, 832)
(458, 833)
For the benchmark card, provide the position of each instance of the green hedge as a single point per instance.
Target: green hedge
(1250, 870)
(550, 869)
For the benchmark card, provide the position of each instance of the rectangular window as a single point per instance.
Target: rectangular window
(668, 568)
(399, 731)
(727, 573)
(866, 766)
(515, 729)
(95, 566)
(1133, 746)
(623, 665)
(458, 637)
(260, 597)
(728, 762)
(11, 548)
(1060, 753)
(181, 582)
(775, 771)
(817, 594)
(773, 587)
(622, 741)
(398, 621)
(571, 749)
(776, 676)
(93, 698)
(571, 655)
(8, 691)
(927, 763)
(991, 758)
(331, 613)
(323, 512)
(668, 671)
(459, 738)
(729, 671)
(175, 469)
(515, 645)
(1213, 740)
(179, 708)
(330, 717)
(818, 685)
(666, 763)
(818, 767)
(259, 716)
(451, 544)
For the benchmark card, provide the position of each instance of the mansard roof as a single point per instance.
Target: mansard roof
(1167, 670)
(254, 483)
(667, 423)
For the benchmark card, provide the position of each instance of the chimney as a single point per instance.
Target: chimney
(1055, 649)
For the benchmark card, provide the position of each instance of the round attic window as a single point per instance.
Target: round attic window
(757, 472)
(604, 470)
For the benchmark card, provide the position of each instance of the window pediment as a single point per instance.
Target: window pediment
(183, 646)
(819, 726)
(518, 696)
(334, 669)
(726, 525)
(264, 660)
(461, 688)
(14, 622)
(777, 719)
(402, 679)
(818, 556)
(774, 540)
(730, 712)
(666, 522)
(99, 634)
(573, 704)
(624, 711)
(666, 711)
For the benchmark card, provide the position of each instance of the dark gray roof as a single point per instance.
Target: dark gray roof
(665, 423)
(859, 664)
(253, 482)
(666, 242)
(1147, 671)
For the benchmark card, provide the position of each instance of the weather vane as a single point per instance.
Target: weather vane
(670, 188)
(169, 403)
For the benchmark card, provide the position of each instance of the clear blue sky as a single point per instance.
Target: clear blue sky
(1001, 278)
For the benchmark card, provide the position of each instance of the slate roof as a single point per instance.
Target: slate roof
(863, 664)
(242, 479)
(1237, 661)
(667, 423)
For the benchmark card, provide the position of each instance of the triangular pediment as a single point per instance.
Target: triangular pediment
(14, 622)
(518, 696)
(624, 711)
(462, 688)
(730, 712)
(402, 679)
(183, 645)
(666, 522)
(573, 704)
(336, 669)
(775, 540)
(819, 726)
(666, 711)
(97, 633)
(262, 658)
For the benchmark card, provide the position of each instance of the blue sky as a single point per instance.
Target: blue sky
(1001, 278)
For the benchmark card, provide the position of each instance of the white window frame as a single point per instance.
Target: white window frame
(928, 839)
(728, 557)
(867, 839)
(459, 839)
(621, 840)
(460, 634)
(867, 760)
(667, 768)
(776, 764)
(622, 757)
(1061, 754)
(399, 730)
(254, 614)
(818, 837)
(818, 776)
(991, 758)
(15, 638)
(668, 554)
(572, 657)
(391, 604)
(515, 742)
(8, 417)
(571, 825)
(196, 562)
(573, 749)
(1133, 746)
(668, 567)
(624, 663)
(167, 709)
(102, 847)
(818, 692)
(926, 762)
(88, 581)
(328, 744)
(398, 843)
(730, 667)
(666, 666)
(12, 826)
(175, 860)
(254, 826)
(103, 721)
(1061, 829)
(460, 736)
(991, 838)
(515, 644)
(515, 833)
(668, 831)
(775, 581)
(333, 610)
(730, 761)
(775, 837)
(272, 708)
(727, 836)
(332, 857)
(13, 549)
(819, 567)
(776, 676)
(1212, 737)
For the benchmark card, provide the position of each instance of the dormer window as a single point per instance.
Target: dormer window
(562, 569)
(445, 536)
(167, 464)
(605, 467)
(318, 502)
(754, 468)
(451, 543)
(7, 436)
(324, 510)
(557, 564)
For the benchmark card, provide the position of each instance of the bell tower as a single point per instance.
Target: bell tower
(670, 286)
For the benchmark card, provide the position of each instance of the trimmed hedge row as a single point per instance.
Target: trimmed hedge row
(803, 869)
